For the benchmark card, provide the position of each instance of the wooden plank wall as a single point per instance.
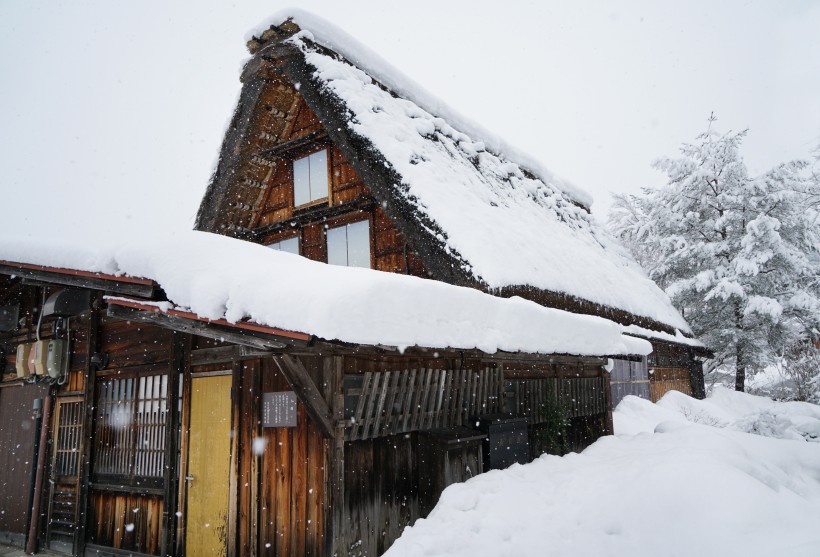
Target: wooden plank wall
(381, 493)
(18, 435)
(127, 521)
(668, 370)
(282, 474)
(664, 380)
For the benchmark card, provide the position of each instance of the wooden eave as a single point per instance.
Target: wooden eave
(129, 286)
(242, 333)
(293, 148)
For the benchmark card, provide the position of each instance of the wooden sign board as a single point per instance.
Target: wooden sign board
(279, 409)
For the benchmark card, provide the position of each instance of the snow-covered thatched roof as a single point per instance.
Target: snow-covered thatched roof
(472, 205)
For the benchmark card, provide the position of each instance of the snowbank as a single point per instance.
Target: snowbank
(680, 489)
(723, 408)
(219, 277)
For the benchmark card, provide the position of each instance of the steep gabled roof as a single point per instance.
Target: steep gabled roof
(476, 211)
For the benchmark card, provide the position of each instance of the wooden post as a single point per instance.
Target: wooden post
(234, 547)
(335, 524)
(83, 499)
(609, 426)
(180, 352)
(32, 541)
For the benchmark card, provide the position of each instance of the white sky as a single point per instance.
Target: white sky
(112, 112)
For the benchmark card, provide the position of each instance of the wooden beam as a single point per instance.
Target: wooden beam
(69, 277)
(206, 329)
(179, 363)
(285, 150)
(83, 498)
(335, 514)
(224, 354)
(308, 393)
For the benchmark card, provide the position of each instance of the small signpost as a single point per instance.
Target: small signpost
(279, 409)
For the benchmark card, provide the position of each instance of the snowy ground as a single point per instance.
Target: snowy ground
(683, 477)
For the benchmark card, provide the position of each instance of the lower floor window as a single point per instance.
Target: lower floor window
(349, 245)
(132, 413)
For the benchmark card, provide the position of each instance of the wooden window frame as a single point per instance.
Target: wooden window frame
(319, 201)
(123, 443)
(280, 239)
(347, 222)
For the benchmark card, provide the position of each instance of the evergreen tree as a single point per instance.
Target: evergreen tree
(737, 254)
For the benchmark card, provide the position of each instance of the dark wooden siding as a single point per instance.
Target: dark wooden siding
(669, 369)
(381, 493)
(282, 474)
(18, 431)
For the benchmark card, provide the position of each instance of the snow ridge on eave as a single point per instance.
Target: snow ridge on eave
(329, 36)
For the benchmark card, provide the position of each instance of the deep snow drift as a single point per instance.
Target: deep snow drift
(690, 481)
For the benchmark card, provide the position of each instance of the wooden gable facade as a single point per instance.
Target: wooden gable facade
(168, 434)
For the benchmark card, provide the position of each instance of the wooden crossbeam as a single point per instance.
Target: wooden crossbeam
(308, 393)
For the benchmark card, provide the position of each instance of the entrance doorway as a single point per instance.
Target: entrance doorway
(209, 457)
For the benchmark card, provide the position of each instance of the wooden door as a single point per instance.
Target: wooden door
(209, 457)
(65, 472)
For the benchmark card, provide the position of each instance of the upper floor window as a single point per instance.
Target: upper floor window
(310, 178)
(290, 245)
(349, 245)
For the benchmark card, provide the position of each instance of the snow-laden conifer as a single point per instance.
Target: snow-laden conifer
(738, 254)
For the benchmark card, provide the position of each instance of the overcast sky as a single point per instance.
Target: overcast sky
(112, 113)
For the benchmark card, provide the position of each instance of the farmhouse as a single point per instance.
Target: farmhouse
(447, 307)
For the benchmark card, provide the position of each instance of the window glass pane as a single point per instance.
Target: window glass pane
(290, 245)
(358, 244)
(301, 181)
(318, 175)
(337, 246)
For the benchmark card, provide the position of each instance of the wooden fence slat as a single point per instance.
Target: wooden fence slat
(410, 400)
(388, 413)
(368, 416)
(358, 416)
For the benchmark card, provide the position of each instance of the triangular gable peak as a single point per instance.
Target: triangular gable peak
(472, 216)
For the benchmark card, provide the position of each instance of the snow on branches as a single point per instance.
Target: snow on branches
(738, 254)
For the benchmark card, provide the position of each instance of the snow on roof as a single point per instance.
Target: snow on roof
(218, 277)
(677, 338)
(330, 36)
(508, 221)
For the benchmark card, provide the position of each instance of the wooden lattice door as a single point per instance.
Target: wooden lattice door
(65, 473)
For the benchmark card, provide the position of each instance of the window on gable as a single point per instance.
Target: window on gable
(310, 178)
(290, 245)
(349, 245)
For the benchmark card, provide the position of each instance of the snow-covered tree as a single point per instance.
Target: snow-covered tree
(737, 254)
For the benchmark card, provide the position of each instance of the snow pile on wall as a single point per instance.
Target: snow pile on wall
(216, 276)
(684, 489)
(723, 408)
(510, 226)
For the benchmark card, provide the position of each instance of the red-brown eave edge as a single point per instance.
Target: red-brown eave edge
(76, 273)
(248, 326)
